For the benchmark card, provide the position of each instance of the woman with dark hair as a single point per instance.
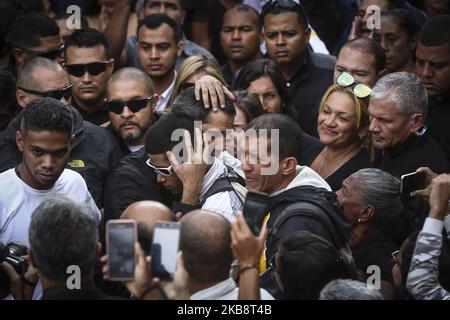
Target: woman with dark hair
(264, 78)
(247, 107)
(398, 37)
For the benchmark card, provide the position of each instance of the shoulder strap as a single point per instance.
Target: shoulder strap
(310, 210)
(220, 185)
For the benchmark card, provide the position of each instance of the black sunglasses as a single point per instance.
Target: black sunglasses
(134, 105)
(51, 54)
(57, 94)
(94, 68)
(284, 4)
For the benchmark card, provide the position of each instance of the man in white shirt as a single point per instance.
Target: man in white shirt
(44, 139)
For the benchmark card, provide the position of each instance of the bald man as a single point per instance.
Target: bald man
(146, 213)
(205, 239)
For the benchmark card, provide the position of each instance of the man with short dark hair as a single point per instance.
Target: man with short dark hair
(289, 185)
(94, 153)
(130, 100)
(362, 58)
(398, 109)
(34, 35)
(240, 37)
(89, 66)
(433, 68)
(63, 234)
(158, 45)
(198, 184)
(45, 141)
(126, 49)
(308, 74)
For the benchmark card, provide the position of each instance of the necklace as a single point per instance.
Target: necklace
(338, 164)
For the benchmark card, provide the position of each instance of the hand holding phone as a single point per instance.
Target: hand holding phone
(121, 236)
(255, 210)
(165, 249)
(412, 182)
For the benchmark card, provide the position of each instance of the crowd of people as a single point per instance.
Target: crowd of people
(179, 111)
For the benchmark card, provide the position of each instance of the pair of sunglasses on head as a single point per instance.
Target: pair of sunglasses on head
(359, 89)
(51, 54)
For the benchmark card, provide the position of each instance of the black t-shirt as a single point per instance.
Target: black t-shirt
(375, 249)
(437, 121)
(359, 161)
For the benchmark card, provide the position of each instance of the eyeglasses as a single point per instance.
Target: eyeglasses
(134, 105)
(164, 171)
(94, 68)
(57, 94)
(360, 90)
(284, 4)
(51, 54)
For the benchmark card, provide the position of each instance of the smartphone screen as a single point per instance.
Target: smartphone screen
(165, 248)
(121, 238)
(255, 209)
(411, 182)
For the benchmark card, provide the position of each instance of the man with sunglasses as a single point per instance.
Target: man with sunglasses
(130, 101)
(34, 35)
(89, 66)
(398, 108)
(94, 152)
(308, 74)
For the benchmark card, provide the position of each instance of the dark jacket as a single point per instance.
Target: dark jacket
(320, 196)
(437, 121)
(307, 87)
(413, 153)
(132, 181)
(94, 153)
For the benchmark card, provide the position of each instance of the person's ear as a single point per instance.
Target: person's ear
(307, 35)
(111, 65)
(22, 98)
(19, 56)
(413, 44)
(288, 166)
(261, 38)
(183, 16)
(417, 122)
(367, 213)
(180, 48)
(19, 141)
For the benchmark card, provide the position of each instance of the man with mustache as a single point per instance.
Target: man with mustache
(89, 66)
(130, 101)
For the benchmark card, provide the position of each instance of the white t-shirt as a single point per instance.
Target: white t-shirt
(18, 201)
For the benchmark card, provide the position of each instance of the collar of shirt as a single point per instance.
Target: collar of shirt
(165, 96)
(222, 290)
(301, 72)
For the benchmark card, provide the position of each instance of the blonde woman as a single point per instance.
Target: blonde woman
(192, 69)
(342, 126)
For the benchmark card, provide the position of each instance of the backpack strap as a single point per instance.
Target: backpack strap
(222, 184)
(310, 210)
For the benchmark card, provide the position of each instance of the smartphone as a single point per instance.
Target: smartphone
(121, 236)
(255, 210)
(166, 238)
(411, 182)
